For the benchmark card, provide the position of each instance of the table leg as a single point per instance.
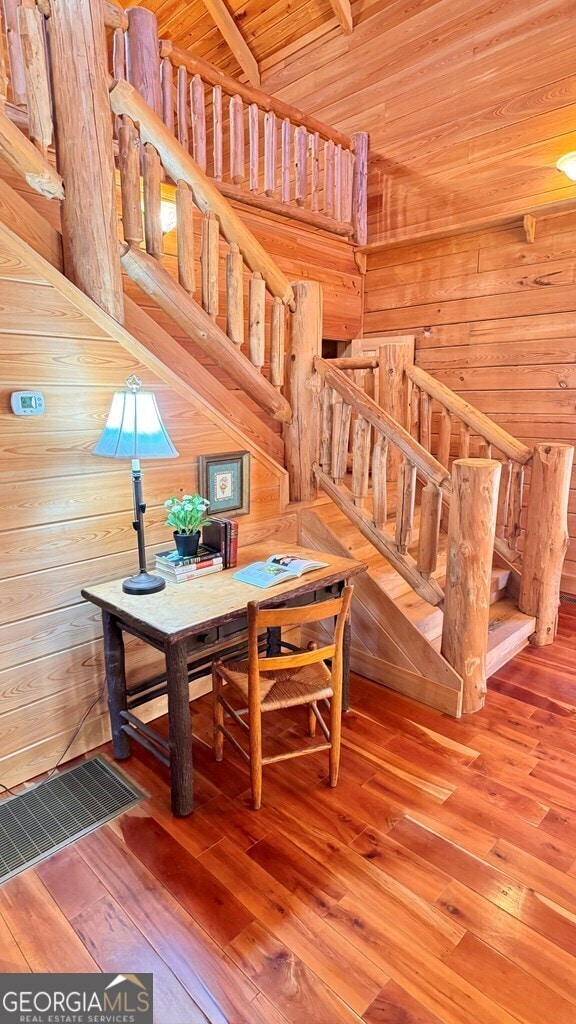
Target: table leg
(116, 683)
(179, 730)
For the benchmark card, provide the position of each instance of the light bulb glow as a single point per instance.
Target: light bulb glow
(567, 164)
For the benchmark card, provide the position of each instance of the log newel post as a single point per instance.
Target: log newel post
(546, 539)
(360, 188)
(302, 435)
(84, 151)
(143, 56)
(471, 531)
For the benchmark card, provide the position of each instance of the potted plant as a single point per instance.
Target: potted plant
(187, 516)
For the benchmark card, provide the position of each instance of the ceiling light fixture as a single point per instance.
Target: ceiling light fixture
(567, 164)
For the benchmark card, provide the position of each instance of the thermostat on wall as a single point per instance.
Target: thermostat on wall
(27, 403)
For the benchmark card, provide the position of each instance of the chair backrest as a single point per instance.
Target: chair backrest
(262, 618)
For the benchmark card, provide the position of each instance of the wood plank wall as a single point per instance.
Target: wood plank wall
(65, 516)
(468, 104)
(495, 319)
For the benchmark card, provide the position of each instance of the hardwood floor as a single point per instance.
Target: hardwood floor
(437, 883)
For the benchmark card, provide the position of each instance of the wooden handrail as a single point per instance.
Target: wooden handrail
(114, 15)
(164, 289)
(213, 75)
(428, 466)
(28, 161)
(404, 564)
(124, 99)
(476, 420)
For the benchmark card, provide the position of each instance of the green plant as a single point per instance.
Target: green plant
(187, 514)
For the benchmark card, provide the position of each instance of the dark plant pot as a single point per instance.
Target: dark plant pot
(187, 543)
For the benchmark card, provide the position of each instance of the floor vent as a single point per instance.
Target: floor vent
(52, 814)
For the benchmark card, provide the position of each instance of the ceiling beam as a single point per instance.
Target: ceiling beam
(229, 29)
(343, 12)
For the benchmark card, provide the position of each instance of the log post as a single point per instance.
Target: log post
(302, 435)
(393, 358)
(84, 151)
(546, 539)
(143, 56)
(360, 188)
(471, 530)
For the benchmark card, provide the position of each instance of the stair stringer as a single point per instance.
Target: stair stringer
(41, 245)
(386, 646)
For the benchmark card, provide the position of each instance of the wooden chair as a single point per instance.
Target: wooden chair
(283, 681)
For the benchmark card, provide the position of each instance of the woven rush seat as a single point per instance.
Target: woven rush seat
(283, 688)
(300, 678)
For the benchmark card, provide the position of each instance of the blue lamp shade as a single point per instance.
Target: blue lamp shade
(134, 429)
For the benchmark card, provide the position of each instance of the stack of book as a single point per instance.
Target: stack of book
(222, 534)
(174, 567)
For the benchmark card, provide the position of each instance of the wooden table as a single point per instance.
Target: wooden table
(192, 623)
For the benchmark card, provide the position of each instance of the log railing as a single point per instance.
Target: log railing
(207, 298)
(256, 149)
(345, 408)
(461, 424)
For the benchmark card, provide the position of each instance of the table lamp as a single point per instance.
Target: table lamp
(134, 430)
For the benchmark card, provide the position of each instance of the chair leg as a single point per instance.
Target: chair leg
(312, 723)
(218, 712)
(335, 737)
(255, 737)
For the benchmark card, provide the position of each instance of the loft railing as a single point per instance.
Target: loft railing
(258, 150)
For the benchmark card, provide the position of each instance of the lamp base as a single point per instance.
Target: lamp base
(143, 583)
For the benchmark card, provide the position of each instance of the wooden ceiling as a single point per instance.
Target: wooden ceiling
(267, 26)
(469, 103)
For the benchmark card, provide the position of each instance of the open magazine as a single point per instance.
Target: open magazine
(276, 569)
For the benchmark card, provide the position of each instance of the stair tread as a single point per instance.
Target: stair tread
(508, 633)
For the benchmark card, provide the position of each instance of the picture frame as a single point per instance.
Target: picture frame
(225, 480)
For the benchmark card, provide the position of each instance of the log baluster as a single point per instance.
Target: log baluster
(425, 420)
(393, 358)
(300, 164)
(236, 140)
(360, 188)
(341, 414)
(515, 507)
(504, 498)
(254, 144)
(464, 441)
(547, 538)
(430, 515)
(444, 438)
(348, 169)
(285, 184)
(485, 449)
(329, 156)
(185, 236)
(118, 66)
(277, 329)
(362, 437)
(406, 496)
(31, 27)
(413, 409)
(167, 81)
(326, 396)
(217, 130)
(235, 294)
(182, 109)
(269, 152)
(338, 182)
(152, 182)
(380, 481)
(3, 68)
(257, 321)
(315, 171)
(209, 264)
(129, 168)
(198, 109)
(471, 528)
(15, 58)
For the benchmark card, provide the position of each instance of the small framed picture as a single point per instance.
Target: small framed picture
(225, 481)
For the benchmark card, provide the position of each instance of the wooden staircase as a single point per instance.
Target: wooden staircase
(461, 571)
